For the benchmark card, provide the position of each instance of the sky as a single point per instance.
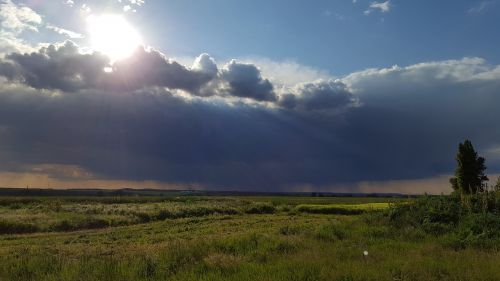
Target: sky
(339, 96)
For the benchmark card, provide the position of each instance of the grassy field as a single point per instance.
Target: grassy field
(225, 238)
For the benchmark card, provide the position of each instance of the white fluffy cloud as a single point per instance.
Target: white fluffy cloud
(18, 18)
(14, 19)
(424, 75)
(206, 64)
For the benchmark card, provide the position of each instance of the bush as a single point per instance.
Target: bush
(87, 223)
(8, 227)
(479, 230)
(93, 223)
(472, 225)
(164, 214)
(142, 217)
(476, 230)
(261, 208)
(64, 225)
(433, 212)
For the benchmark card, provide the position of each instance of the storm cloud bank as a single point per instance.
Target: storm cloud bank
(228, 126)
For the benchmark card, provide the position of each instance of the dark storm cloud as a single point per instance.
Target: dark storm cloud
(151, 134)
(319, 95)
(65, 68)
(54, 67)
(8, 70)
(245, 81)
(388, 124)
(146, 68)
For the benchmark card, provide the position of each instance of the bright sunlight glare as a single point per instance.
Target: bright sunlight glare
(113, 36)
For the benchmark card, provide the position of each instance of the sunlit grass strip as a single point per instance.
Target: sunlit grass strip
(342, 209)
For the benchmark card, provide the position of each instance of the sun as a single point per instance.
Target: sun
(113, 36)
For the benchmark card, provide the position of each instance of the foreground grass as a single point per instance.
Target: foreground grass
(284, 245)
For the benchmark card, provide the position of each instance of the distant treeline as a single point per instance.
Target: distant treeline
(159, 192)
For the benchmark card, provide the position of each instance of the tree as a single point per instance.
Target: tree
(469, 174)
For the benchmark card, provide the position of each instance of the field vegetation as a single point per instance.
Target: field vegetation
(249, 238)
(48, 214)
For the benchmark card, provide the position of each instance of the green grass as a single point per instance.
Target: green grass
(264, 239)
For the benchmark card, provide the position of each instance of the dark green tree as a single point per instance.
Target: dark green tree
(469, 174)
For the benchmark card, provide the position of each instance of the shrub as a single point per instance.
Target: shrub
(64, 225)
(92, 223)
(9, 227)
(261, 208)
(479, 228)
(142, 217)
(87, 223)
(471, 225)
(476, 230)
(427, 211)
